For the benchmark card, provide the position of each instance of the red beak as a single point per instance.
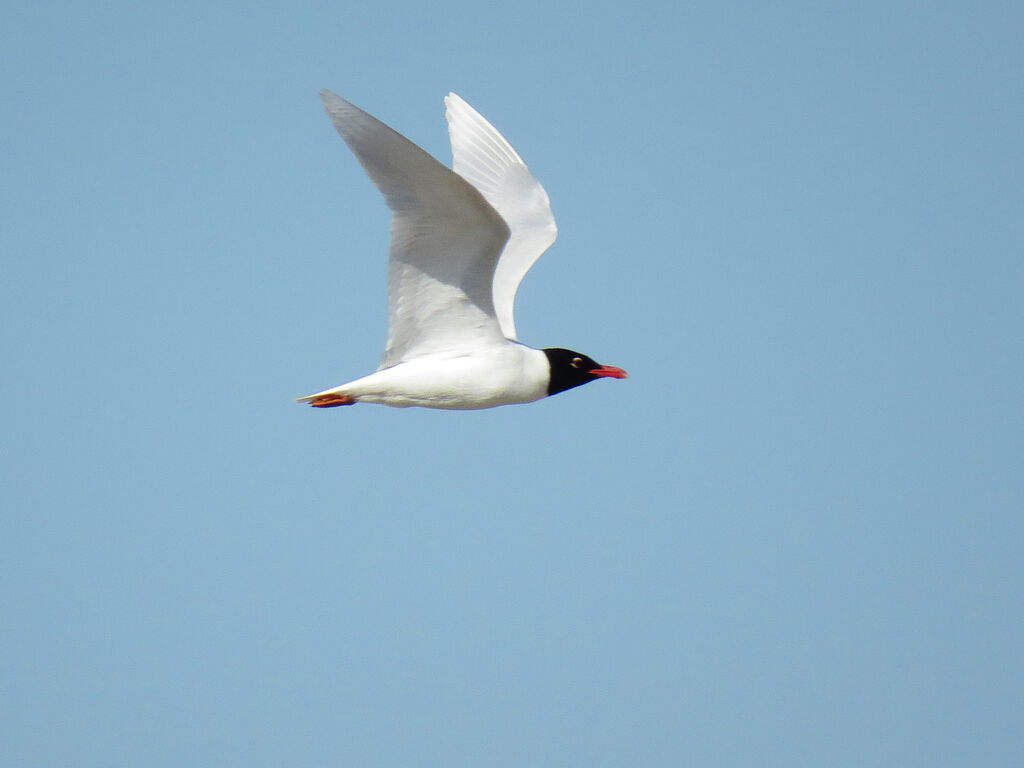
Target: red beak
(610, 371)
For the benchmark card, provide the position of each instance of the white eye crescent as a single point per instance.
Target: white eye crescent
(576, 362)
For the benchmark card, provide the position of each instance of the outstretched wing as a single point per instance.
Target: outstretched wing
(486, 160)
(445, 241)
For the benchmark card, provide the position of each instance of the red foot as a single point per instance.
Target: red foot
(332, 401)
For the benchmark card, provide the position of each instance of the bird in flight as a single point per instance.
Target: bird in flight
(462, 239)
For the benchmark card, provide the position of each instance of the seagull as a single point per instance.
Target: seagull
(462, 239)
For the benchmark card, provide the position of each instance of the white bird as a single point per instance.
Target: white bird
(461, 242)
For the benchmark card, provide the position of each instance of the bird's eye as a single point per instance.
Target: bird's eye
(576, 362)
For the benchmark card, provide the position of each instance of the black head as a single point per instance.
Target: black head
(570, 369)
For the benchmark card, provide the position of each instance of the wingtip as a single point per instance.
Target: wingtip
(328, 96)
(455, 103)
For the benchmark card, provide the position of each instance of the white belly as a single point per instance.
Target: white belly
(512, 373)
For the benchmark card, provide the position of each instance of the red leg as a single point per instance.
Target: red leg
(332, 401)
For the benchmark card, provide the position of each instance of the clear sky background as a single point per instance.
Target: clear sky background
(792, 538)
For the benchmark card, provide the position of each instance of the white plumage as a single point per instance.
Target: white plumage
(461, 243)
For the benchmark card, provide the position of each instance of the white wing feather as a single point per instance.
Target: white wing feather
(483, 157)
(445, 242)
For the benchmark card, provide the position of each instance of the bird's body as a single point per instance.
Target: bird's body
(461, 242)
(507, 374)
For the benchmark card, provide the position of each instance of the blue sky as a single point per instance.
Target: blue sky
(792, 537)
